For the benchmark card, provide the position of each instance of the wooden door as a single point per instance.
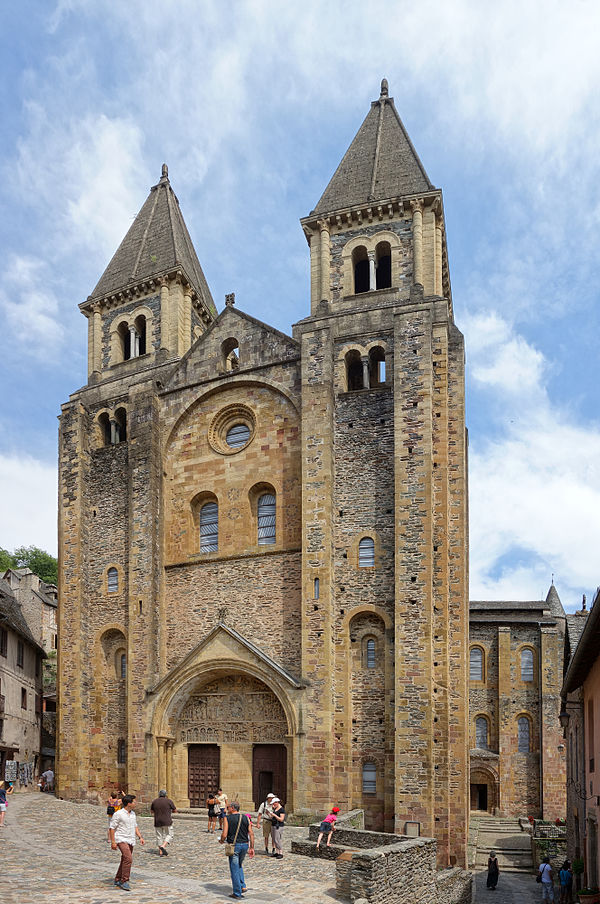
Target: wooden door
(203, 772)
(269, 772)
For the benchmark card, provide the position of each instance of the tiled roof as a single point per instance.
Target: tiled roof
(575, 626)
(380, 163)
(507, 604)
(12, 617)
(157, 242)
(553, 602)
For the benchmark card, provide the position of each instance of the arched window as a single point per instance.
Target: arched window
(125, 341)
(369, 778)
(104, 422)
(366, 553)
(377, 366)
(209, 527)
(383, 262)
(360, 264)
(140, 332)
(481, 733)
(524, 734)
(123, 665)
(120, 425)
(526, 665)
(476, 664)
(112, 580)
(371, 653)
(354, 371)
(121, 752)
(230, 354)
(266, 519)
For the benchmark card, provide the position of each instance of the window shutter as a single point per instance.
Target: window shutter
(209, 527)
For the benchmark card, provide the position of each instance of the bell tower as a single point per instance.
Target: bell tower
(385, 495)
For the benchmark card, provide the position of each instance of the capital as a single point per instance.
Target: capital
(417, 204)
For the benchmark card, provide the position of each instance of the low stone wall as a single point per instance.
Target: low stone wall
(355, 838)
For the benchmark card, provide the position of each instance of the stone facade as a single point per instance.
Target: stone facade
(342, 613)
(518, 756)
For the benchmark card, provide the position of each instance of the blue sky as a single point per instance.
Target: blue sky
(252, 105)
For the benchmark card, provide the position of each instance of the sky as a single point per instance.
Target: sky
(252, 104)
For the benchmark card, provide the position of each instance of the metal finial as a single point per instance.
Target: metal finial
(583, 603)
(230, 299)
(384, 88)
(165, 171)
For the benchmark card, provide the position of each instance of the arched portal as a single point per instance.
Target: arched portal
(484, 789)
(228, 731)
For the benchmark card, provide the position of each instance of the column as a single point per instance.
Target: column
(165, 319)
(417, 209)
(187, 317)
(439, 227)
(324, 227)
(366, 373)
(97, 343)
(162, 763)
(132, 346)
(114, 429)
(372, 277)
(169, 784)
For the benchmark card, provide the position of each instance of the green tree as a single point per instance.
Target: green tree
(7, 560)
(39, 561)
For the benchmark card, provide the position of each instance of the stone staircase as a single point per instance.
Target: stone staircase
(504, 836)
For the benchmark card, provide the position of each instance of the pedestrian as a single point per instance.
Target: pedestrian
(163, 809)
(213, 812)
(565, 878)
(112, 805)
(222, 802)
(547, 879)
(123, 832)
(264, 816)
(2, 803)
(493, 871)
(277, 822)
(327, 827)
(48, 780)
(238, 835)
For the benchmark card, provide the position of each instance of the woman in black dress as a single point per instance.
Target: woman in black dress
(492, 876)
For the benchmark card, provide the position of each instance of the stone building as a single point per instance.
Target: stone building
(20, 691)
(263, 537)
(39, 603)
(516, 660)
(581, 697)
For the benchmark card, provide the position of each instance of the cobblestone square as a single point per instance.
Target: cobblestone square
(56, 850)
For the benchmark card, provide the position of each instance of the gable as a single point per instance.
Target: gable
(254, 343)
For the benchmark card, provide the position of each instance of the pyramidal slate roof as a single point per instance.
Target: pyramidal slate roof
(157, 242)
(380, 163)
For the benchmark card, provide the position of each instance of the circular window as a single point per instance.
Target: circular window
(232, 429)
(237, 436)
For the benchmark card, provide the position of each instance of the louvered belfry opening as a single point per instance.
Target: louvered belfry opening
(209, 527)
(266, 519)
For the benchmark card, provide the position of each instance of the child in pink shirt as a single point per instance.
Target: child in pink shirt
(327, 827)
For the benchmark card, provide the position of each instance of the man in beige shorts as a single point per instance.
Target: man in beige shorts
(264, 814)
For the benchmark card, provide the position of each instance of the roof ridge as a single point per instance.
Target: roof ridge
(377, 144)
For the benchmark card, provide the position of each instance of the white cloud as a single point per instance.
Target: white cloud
(30, 307)
(28, 494)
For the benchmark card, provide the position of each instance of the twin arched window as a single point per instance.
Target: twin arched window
(372, 270)
(366, 553)
(267, 525)
(365, 371)
(133, 338)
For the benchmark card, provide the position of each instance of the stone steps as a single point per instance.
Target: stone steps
(506, 838)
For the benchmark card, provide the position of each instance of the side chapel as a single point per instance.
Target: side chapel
(263, 538)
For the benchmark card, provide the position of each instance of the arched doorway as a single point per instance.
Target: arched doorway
(484, 789)
(232, 733)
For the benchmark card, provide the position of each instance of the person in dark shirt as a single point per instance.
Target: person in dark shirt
(163, 808)
(277, 822)
(237, 830)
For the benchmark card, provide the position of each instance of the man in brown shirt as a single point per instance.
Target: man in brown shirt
(163, 808)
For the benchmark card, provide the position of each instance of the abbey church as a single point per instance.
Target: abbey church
(263, 537)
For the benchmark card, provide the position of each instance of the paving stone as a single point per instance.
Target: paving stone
(56, 850)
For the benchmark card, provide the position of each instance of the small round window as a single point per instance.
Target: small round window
(237, 436)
